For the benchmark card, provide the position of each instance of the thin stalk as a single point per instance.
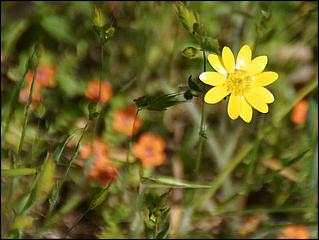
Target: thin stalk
(27, 113)
(77, 222)
(13, 100)
(101, 73)
(74, 154)
(13, 103)
(131, 138)
(201, 128)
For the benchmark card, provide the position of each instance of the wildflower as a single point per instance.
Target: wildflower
(97, 149)
(44, 75)
(24, 94)
(243, 80)
(102, 170)
(92, 92)
(124, 120)
(299, 113)
(150, 150)
(294, 232)
(44, 78)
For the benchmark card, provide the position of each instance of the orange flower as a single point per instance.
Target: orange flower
(150, 150)
(92, 92)
(299, 113)
(98, 147)
(44, 78)
(45, 75)
(24, 94)
(295, 232)
(124, 119)
(102, 169)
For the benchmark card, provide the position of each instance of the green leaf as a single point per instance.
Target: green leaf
(13, 33)
(159, 103)
(40, 110)
(188, 95)
(99, 198)
(193, 85)
(289, 161)
(174, 183)
(312, 117)
(14, 234)
(60, 148)
(46, 179)
(58, 27)
(93, 113)
(21, 222)
(17, 172)
(55, 194)
(164, 233)
(188, 17)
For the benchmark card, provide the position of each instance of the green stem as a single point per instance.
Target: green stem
(27, 113)
(74, 155)
(201, 128)
(101, 73)
(14, 97)
(131, 138)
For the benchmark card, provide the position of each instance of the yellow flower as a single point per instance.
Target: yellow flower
(243, 80)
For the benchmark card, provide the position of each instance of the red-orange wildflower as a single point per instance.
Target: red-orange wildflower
(124, 119)
(295, 232)
(150, 149)
(24, 94)
(299, 112)
(44, 76)
(92, 92)
(102, 170)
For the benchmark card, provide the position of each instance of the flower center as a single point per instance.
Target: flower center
(148, 151)
(238, 82)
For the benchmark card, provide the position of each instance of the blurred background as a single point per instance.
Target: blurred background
(262, 177)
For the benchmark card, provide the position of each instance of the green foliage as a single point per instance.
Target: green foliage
(17, 172)
(46, 179)
(188, 17)
(158, 103)
(156, 217)
(161, 181)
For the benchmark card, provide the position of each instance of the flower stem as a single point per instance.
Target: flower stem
(27, 113)
(101, 73)
(201, 128)
(131, 138)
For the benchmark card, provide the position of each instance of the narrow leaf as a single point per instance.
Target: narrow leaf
(174, 183)
(17, 172)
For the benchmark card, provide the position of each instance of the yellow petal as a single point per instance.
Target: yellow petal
(215, 94)
(256, 102)
(243, 58)
(217, 63)
(228, 59)
(257, 65)
(246, 112)
(234, 106)
(265, 78)
(212, 78)
(264, 93)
